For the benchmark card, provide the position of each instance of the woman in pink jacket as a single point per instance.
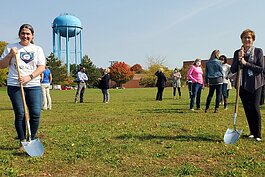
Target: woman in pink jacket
(195, 75)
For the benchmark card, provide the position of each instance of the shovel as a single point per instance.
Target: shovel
(232, 135)
(33, 147)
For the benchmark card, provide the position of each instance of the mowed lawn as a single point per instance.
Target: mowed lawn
(133, 135)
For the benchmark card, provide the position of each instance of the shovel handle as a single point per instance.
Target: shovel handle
(238, 80)
(23, 97)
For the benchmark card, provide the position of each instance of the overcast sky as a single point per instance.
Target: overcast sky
(132, 30)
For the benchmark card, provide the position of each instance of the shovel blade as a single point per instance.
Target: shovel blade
(34, 148)
(231, 136)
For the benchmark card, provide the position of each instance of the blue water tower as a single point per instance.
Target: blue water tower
(67, 26)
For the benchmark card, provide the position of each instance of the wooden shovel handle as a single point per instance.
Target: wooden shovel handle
(22, 92)
(238, 80)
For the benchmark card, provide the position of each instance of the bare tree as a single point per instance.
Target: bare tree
(160, 60)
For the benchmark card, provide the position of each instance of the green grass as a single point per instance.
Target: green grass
(133, 135)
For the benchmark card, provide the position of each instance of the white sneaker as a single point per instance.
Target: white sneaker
(192, 110)
(251, 136)
(258, 139)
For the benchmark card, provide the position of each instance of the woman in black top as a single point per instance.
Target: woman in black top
(161, 83)
(251, 62)
(104, 85)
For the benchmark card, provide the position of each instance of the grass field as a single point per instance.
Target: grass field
(133, 135)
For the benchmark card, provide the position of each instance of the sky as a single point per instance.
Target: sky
(134, 30)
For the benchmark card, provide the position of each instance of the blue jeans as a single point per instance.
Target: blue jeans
(212, 88)
(224, 90)
(196, 90)
(33, 98)
(105, 93)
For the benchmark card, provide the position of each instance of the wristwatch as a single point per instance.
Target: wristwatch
(31, 76)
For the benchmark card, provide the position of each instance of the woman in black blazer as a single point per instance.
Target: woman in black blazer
(161, 83)
(251, 61)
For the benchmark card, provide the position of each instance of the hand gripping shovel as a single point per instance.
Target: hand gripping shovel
(34, 147)
(232, 135)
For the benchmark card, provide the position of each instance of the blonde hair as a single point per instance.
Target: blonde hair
(215, 54)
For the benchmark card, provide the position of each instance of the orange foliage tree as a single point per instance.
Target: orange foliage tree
(137, 68)
(121, 73)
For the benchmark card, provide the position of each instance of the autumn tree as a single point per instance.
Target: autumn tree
(137, 68)
(3, 72)
(120, 73)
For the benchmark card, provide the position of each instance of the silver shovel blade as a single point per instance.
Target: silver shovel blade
(231, 136)
(34, 148)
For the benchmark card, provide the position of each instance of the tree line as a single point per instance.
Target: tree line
(120, 72)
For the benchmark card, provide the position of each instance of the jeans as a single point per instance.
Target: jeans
(33, 98)
(106, 96)
(210, 95)
(196, 92)
(224, 91)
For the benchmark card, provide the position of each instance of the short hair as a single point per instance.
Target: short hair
(246, 31)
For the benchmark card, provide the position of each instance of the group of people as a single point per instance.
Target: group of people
(161, 83)
(32, 63)
(250, 60)
(217, 76)
(82, 78)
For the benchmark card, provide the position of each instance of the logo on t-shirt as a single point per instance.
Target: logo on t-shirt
(27, 56)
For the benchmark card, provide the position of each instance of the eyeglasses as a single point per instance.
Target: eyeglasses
(247, 37)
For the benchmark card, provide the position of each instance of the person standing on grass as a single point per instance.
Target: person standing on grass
(31, 61)
(176, 75)
(195, 76)
(227, 74)
(104, 85)
(214, 78)
(81, 81)
(160, 84)
(251, 61)
(46, 80)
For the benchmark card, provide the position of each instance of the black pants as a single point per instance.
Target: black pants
(212, 88)
(159, 94)
(251, 103)
(174, 91)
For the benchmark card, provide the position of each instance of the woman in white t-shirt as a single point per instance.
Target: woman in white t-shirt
(31, 61)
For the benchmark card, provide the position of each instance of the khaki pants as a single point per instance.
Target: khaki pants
(46, 97)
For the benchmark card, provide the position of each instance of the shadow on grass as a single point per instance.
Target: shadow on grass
(7, 148)
(174, 138)
(6, 108)
(161, 110)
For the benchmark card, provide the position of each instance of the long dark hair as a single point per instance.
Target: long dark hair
(27, 26)
(223, 57)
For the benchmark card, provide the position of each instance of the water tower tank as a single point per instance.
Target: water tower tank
(62, 22)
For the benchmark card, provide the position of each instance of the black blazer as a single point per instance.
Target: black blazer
(250, 83)
(104, 82)
(161, 79)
